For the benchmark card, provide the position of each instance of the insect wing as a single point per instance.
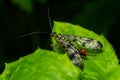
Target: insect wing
(86, 42)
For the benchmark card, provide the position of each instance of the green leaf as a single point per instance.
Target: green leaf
(94, 66)
(48, 65)
(114, 74)
(41, 65)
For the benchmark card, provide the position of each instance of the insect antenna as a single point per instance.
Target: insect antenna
(28, 34)
(49, 18)
(36, 32)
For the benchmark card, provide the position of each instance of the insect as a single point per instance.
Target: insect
(71, 50)
(84, 41)
(75, 54)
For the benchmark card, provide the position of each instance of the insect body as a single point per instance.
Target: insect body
(74, 53)
(71, 50)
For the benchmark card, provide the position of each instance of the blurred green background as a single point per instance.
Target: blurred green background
(19, 17)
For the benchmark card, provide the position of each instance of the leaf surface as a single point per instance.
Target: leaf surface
(41, 65)
(94, 66)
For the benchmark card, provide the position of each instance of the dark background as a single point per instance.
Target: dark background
(19, 17)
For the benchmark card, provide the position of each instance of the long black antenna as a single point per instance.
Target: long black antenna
(36, 32)
(49, 18)
(32, 34)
